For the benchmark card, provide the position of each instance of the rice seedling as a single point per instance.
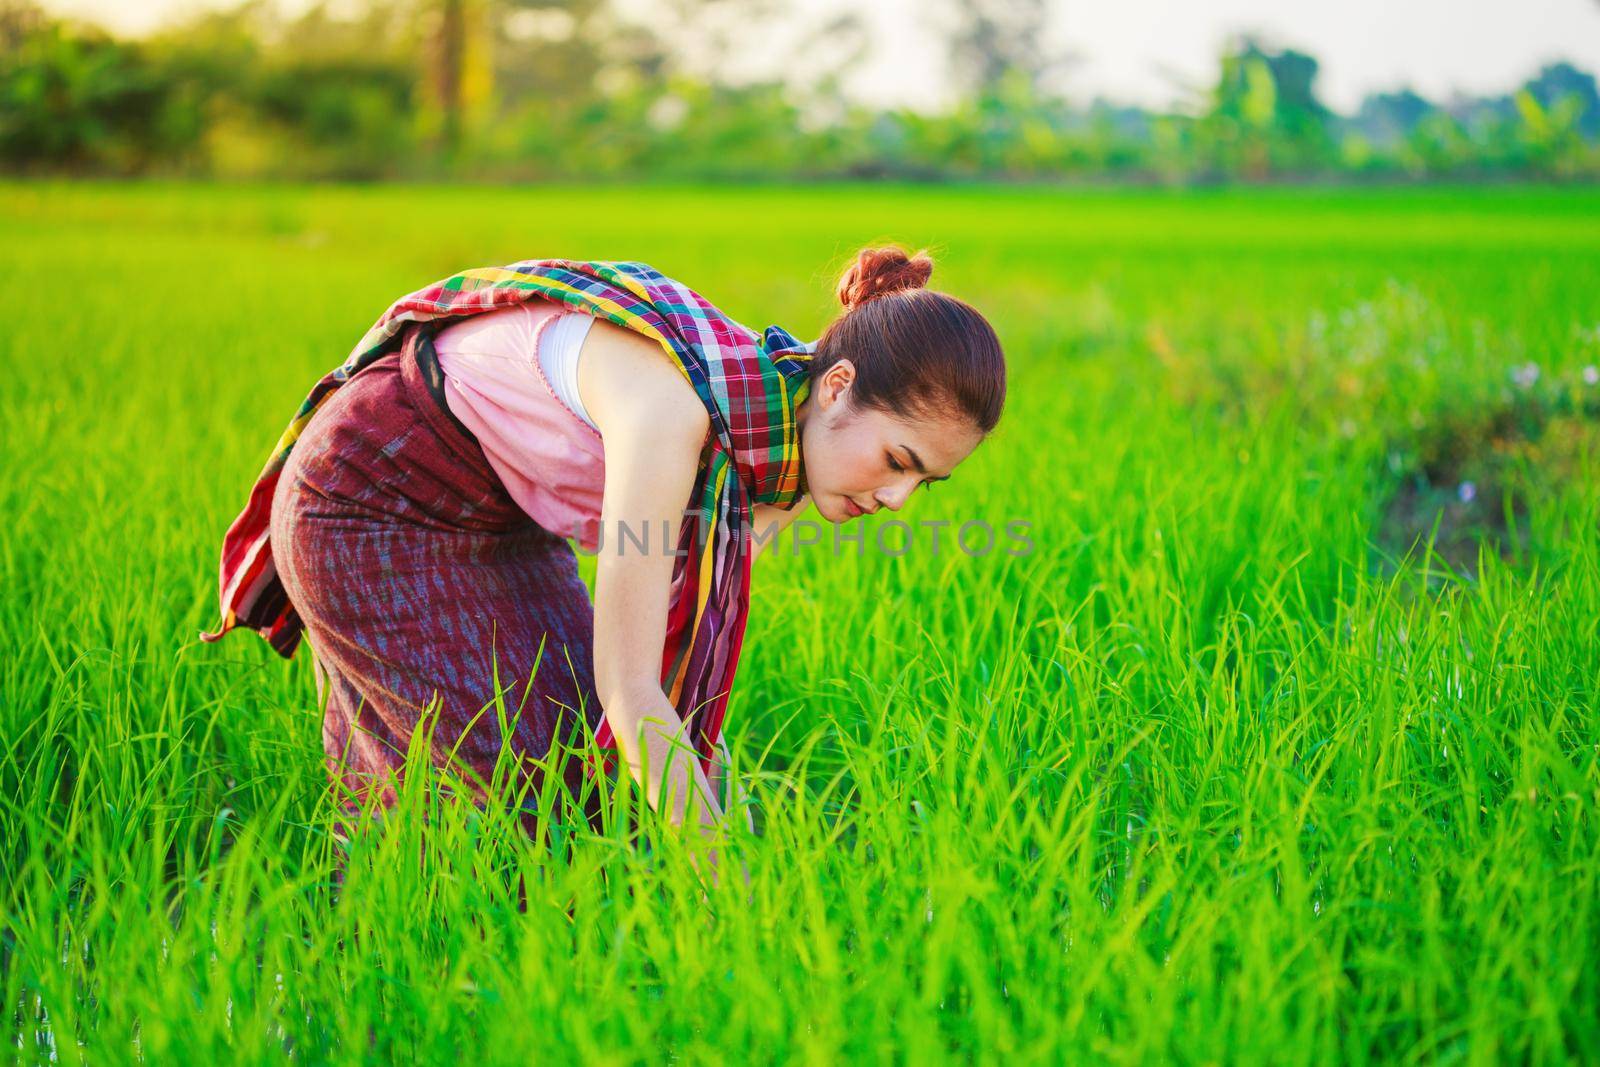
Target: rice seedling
(1228, 762)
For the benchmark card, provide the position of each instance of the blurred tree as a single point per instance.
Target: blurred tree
(700, 39)
(73, 98)
(330, 92)
(1387, 119)
(989, 41)
(460, 80)
(19, 20)
(1263, 115)
(829, 52)
(1009, 116)
(1481, 117)
(1438, 144)
(546, 48)
(1560, 81)
(1554, 144)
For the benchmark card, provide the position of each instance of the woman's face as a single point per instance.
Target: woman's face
(858, 460)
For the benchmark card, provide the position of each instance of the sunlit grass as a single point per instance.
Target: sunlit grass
(1214, 772)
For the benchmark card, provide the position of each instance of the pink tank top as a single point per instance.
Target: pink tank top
(550, 460)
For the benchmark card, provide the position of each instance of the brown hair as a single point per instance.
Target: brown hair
(916, 351)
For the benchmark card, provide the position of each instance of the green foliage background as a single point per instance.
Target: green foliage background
(434, 89)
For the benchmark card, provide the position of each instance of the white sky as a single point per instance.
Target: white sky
(1147, 51)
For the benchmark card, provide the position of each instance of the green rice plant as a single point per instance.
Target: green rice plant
(1232, 763)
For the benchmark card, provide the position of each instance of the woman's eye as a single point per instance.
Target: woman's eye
(896, 466)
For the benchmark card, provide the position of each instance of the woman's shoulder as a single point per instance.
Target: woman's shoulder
(629, 380)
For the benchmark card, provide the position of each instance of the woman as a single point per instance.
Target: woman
(412, 520)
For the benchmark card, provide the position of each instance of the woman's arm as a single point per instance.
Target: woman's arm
(654, 427)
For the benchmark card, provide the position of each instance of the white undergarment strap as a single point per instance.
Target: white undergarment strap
(558, 357)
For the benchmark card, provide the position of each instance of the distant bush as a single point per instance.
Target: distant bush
(72, 100)
(232, 95)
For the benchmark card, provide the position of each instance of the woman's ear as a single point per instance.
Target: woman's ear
(835, 382)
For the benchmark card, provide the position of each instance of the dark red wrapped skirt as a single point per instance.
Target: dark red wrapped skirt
(419, 579)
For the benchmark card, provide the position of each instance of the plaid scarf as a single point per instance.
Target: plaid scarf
(750, 386)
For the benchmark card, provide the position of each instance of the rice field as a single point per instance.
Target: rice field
(1277, 744)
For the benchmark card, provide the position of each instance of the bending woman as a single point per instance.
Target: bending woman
(412, 521)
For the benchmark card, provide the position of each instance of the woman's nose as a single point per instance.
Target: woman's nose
(894, 498)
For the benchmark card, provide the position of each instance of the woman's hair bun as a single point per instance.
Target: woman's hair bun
(880, 271)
